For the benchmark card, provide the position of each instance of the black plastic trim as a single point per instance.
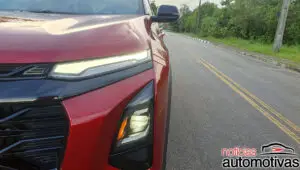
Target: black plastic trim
(17, 73)
(26, 139)
(41, 89)
(140, 159)
(128, 157)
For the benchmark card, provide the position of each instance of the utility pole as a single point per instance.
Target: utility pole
(199, 16)
(281, 25)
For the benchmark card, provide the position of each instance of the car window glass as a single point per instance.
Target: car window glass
(76, 6)
(148, 8)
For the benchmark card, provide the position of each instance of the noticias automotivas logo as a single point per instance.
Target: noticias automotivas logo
(273, 155)
(277, 149)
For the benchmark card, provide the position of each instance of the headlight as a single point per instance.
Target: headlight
(133, 146)
(136, 124)
(96, 67)
(134, 127)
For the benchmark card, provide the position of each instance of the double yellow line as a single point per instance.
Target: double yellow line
(274, 116)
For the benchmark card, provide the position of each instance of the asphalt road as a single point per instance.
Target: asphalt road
(210, 112)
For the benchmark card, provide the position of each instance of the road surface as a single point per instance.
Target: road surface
(222, 99)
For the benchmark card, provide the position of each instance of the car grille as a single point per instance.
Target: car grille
(8, 68)
(17, 71)
(32, 135)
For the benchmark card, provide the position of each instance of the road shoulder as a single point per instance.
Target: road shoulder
(283, 63)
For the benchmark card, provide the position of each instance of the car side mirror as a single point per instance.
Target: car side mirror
(166, 13)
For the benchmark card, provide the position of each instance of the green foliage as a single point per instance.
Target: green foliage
(291, 53)
(292, 32)
(154, 7)
(254, 20)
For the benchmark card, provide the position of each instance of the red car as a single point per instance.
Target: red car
(85, 85)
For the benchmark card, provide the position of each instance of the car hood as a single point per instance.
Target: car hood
(32, 38)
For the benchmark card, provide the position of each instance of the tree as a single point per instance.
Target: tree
(247, 19)
(154, 7)
(226, 3)
(184, 10)
(292, 32)
(183, 24)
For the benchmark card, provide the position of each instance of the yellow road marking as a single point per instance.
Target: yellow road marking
(269, 108)
(251, 101)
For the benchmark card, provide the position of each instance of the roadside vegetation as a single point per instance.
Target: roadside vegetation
(245, 24)
(287, 52)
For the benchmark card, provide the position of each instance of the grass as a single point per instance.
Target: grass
(291, 53)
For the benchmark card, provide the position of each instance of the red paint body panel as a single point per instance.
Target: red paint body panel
(66, 37)
(94, 119)
(161, 111)
(94, 116)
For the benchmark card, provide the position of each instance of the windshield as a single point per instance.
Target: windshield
(75, 6)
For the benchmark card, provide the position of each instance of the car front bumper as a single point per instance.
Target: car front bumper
(87, 120)
(94, 120)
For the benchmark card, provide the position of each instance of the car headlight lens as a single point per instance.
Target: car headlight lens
(96, 67)
(133, 144)
(134, 127)
(136, 124)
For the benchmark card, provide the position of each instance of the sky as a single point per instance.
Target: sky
(191, 3)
